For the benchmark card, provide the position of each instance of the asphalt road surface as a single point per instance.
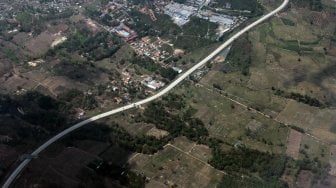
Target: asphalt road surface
(184, 75)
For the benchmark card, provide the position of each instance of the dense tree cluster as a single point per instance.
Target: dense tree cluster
(195, 34)
(240, 54)
(142, 144)
(174, 101)
(122, 175)
(93, 46)
(180, 1)
(176, 118)
(29, 22)
(77, 71)
(34, 20)
(5, 104)
(333, 38)
(301, 130)
(38, 114)
(146, 63)
(171, 114)
(168, 73)
(288, 22)
(320, 169)
(250, 5)
(144, 26)
(54, 14)
(242, 159)
(234, 181)
(142, 2)
(78, 99)
(92, 12)
(11, 55)
(150, 65)
(299, 98)
(5, 25)
(118, 136)
(43, 110)
(314, 5)
(217, 86)
(200, 27)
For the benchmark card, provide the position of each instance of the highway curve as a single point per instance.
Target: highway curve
(184, 75)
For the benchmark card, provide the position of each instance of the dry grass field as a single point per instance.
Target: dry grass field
(293, 144)
(234, 123)
(333, 160)
(314, 120)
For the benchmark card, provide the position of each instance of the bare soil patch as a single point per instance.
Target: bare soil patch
(303, 179)
(202, 152)
(158, 133)
(332, 160)
(40, 44)
(183, 143)
(293, 144)
(13, 82)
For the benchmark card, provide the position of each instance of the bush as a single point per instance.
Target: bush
(217, 86)
(299, 129)
(241, 159)
(300, 98)
(168, 73)
(288, 22)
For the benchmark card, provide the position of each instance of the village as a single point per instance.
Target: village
(117, 17)
(157, 49)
